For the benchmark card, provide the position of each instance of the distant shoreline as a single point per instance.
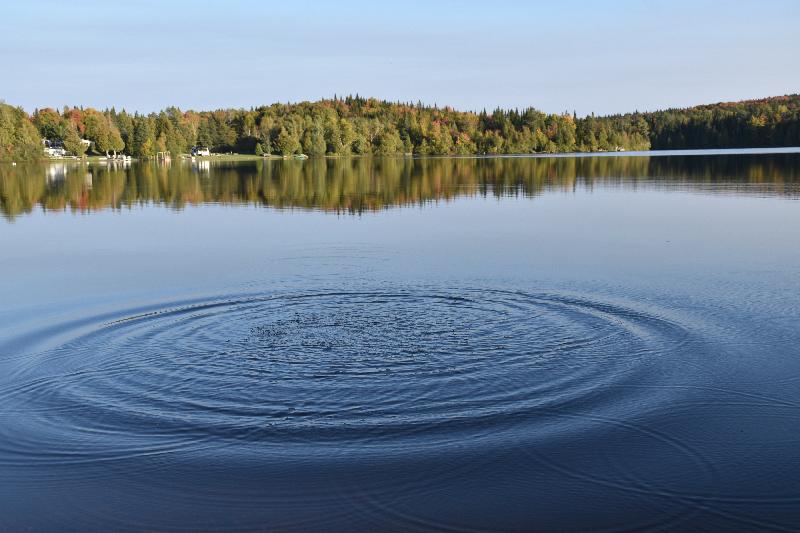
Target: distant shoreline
(232, 158)
(356, 126)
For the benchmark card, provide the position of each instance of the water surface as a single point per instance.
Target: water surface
(397, 344)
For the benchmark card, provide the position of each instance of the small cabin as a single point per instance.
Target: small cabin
(201, 151)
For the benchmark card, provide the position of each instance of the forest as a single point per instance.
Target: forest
(354, 125)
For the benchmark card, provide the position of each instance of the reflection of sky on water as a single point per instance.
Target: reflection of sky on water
(522, 338)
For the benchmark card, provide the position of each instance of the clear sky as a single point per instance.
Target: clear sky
(554, 55)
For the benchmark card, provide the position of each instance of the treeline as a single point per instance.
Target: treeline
(341, 126)
(362, 126)
(768, 122)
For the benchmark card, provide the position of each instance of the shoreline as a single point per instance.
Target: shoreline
(252, 157)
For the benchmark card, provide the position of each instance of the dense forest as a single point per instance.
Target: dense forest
(359, 126)
(767, 122)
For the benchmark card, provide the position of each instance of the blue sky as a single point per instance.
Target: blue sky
(566, 55)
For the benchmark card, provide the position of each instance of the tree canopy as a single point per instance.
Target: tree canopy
(19, 139)
(356, 125)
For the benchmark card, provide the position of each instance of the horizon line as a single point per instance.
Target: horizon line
(424, 104)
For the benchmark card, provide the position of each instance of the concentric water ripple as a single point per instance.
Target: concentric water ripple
(360, 370)
(367, 407)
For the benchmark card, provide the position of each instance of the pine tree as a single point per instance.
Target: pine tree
(142, 137)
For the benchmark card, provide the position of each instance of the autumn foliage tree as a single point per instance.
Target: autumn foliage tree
(19, 138)
(365, 126)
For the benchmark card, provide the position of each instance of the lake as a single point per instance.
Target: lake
(513, 343)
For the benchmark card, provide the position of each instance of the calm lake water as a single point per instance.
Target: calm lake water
(396, 344)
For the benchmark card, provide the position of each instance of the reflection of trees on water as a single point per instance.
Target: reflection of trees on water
(357, 185)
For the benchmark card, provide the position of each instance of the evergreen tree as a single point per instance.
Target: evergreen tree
(143, 143)
(72, 141)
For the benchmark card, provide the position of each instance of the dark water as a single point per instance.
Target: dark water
(591, 343)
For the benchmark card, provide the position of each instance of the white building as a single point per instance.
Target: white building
(53, 148)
